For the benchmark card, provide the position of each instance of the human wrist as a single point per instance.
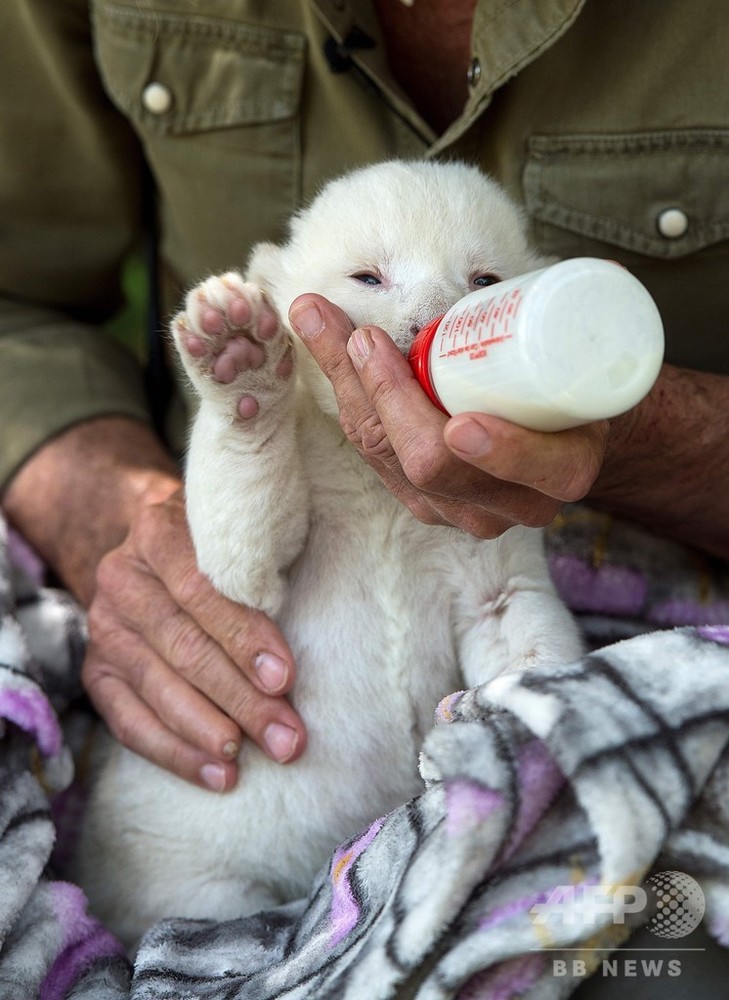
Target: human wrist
(666, 462)
(75, 499)
(642, 442)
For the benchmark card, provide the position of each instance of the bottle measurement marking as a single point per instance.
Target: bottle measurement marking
(476, 350)
(495, 318)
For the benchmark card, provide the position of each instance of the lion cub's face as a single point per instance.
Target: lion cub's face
(396, 244)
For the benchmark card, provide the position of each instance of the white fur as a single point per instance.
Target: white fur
(384, 615)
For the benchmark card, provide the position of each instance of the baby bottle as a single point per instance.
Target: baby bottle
(571, 343)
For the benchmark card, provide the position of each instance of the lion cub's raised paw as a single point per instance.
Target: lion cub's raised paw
(233, 345)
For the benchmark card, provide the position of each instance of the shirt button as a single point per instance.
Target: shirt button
(473, 75)
(157, 98)
(672, 223)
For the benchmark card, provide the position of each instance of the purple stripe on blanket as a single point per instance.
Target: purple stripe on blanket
(444, 711)
(539, 781)
(25, 558)
(345, 910)
(716, 633)
(85, 942)
(514, 908)
(32, 712)
(468, 804)
(680, 611)
(611, 590)
(506, 981)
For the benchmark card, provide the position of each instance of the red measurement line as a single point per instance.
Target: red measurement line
(477, 350)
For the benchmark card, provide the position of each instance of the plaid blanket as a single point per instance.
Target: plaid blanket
(547, 800)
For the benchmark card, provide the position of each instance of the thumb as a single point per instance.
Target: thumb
(322, 326)
(561, 464)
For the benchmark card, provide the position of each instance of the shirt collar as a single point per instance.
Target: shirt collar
(506, 38)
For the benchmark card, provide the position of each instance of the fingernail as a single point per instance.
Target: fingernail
(272, 672)
(213, 776)
(468, 437)
(280, 741)
(230, 750)
(359, 347)
(307, 320)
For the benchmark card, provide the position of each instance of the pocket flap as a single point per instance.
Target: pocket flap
(619, 189)
(212, 73)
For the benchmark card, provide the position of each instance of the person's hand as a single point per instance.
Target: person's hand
(179, 672)
(473, 471)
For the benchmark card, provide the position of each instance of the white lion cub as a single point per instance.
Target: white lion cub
(384, 615)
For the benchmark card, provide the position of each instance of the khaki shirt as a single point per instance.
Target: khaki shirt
(599, 116)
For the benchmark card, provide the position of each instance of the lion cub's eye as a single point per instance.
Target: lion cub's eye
(484, 280)
(366, 278)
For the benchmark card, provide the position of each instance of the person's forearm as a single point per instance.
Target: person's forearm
(667, 461)
(73, 500)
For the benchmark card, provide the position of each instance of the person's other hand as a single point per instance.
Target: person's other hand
(180, 673)
(473, 471)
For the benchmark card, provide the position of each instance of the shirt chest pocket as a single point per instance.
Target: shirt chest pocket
(660, 194)
(658, 202)
(216, 106)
